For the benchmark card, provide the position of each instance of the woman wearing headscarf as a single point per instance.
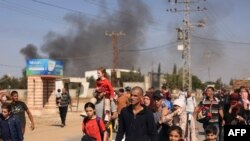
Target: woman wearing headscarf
(234, 111)
(179, 117)
(148, 102)
(245, 100)
(246, 105)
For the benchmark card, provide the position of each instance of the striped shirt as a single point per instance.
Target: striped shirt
(214, 107)
(65, 100)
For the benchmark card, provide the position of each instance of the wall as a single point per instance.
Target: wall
(133, 84)
(41, 95)
(22, 93)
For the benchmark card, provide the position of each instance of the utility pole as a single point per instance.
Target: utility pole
(184, 38)
(208, 56)
(115, 59)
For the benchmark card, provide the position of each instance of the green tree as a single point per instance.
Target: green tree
(23, 80)
(131, 77)
(5, 82)
(176, 77)
(175, 81)
(196, 83)
(168, 80)
(8, 82)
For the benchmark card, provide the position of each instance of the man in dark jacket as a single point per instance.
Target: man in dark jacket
(10, 126)
(136, 121)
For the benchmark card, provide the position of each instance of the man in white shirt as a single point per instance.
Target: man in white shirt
(190, 103)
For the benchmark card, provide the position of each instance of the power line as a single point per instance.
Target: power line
(223, 26)
(82, 57)
(110, 51)
(104, 6)
(69, 9)
(184, 38)
(217, 40)
(10, 66)
(147, 49)
(32, 12)
(122, 12)
(56, 6)
(85, 13)
(26, 11)
(121, 50)
(216, 23)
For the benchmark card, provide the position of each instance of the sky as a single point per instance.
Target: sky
(218, 50)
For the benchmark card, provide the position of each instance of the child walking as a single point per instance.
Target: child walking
(175, 133)
(211, 133)
(93, 126)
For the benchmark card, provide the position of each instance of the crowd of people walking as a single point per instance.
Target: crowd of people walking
(139, 115)
(157, 115)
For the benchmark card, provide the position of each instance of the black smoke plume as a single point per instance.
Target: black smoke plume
(85, 46)
(30, 51)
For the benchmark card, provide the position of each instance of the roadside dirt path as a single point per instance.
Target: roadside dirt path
(48, 128)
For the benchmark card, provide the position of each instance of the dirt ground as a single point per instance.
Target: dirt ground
(47, 128)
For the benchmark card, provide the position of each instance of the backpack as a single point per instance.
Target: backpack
(98, 119)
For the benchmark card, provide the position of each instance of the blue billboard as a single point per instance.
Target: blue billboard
(44, 67)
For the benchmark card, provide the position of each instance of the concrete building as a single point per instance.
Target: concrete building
(93, 73)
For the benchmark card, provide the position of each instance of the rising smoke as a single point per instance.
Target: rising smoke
(86, 47)
(30, 51)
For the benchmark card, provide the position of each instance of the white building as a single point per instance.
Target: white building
(93, 73)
